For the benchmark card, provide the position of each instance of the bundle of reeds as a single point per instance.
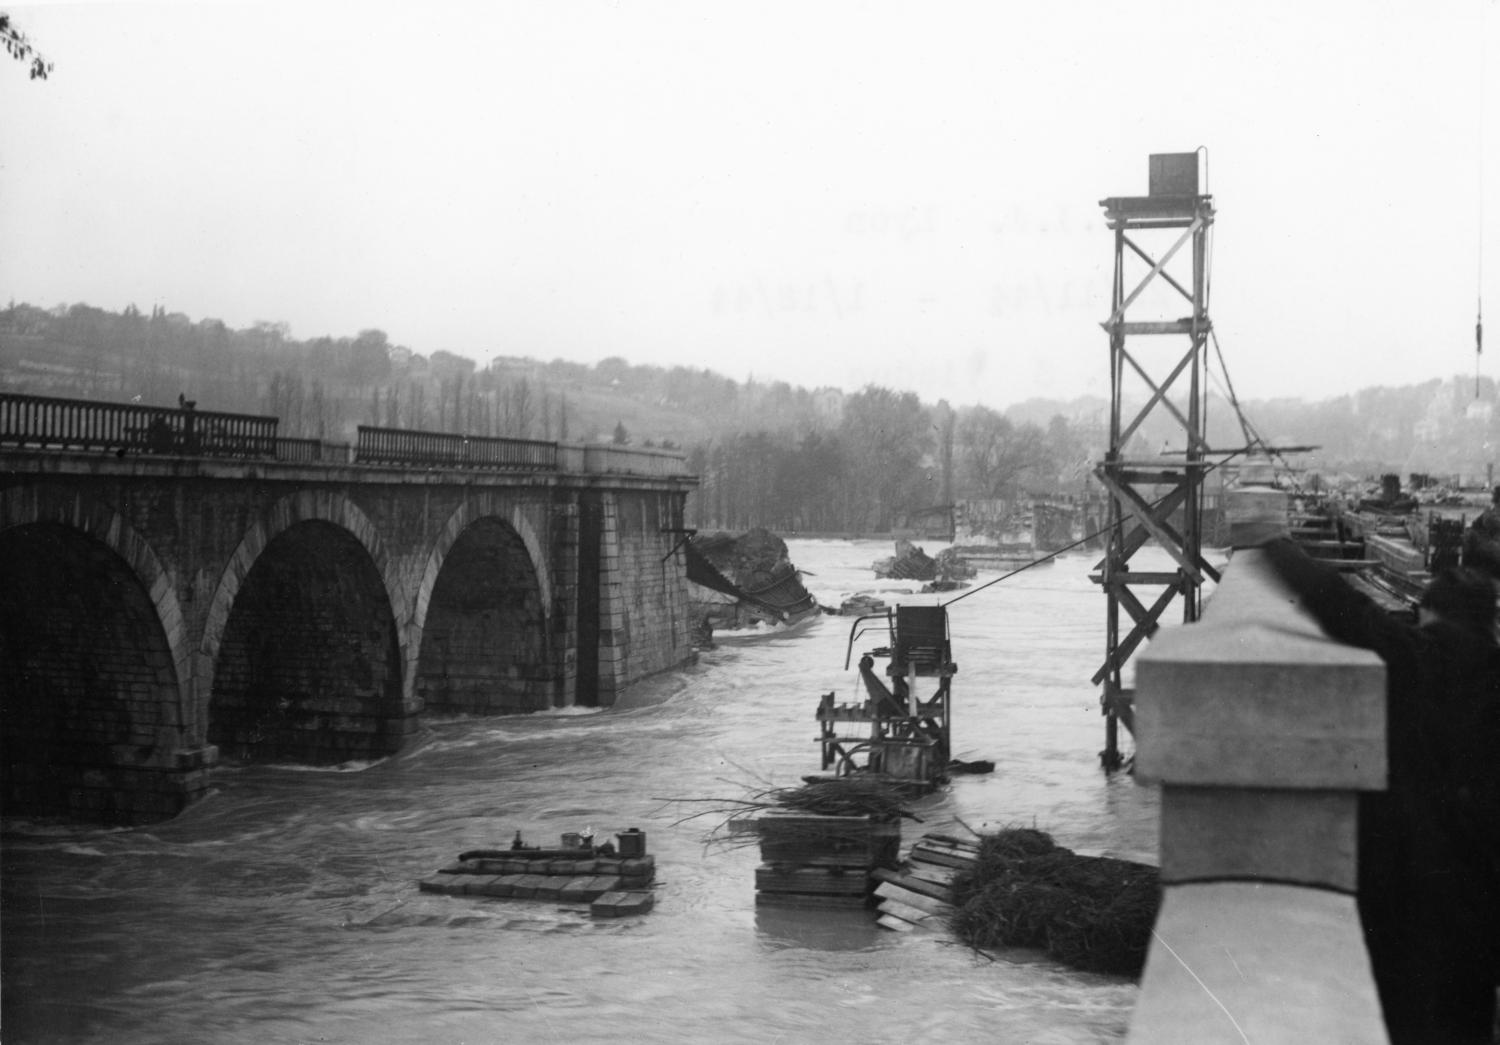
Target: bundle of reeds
(844, 796)
(851, 796)
(1089, 912)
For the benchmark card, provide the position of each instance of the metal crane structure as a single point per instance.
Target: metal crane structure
(1157, 497)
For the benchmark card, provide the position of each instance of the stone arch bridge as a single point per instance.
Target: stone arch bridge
(178, 587)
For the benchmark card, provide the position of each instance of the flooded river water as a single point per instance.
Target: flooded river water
(284, 907)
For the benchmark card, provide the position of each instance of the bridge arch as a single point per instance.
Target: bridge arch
(94, 663)
(480, 614)
(303, 655)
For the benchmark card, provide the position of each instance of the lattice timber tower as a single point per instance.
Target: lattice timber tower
(1154, 493)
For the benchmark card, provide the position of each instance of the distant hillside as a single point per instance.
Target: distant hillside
(769, 453)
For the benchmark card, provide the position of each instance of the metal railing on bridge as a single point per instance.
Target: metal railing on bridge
(312, 451)
(81, 424)
(445, 450)
(48, 423)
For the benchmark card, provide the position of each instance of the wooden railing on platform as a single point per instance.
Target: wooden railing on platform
(46, 422)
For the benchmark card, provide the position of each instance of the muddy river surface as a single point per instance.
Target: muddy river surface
(284, 907)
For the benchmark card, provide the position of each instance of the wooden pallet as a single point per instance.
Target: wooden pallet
(919, 894)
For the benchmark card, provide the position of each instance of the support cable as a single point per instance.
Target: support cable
(1229, 456)
(1479, 307)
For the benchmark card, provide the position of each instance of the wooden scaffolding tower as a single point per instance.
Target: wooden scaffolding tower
(1154, 495)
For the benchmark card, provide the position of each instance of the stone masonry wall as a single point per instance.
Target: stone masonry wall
(647, 611)
(188, 537)
(87, 685)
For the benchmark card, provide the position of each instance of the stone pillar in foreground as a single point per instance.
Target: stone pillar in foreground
(1261, 732)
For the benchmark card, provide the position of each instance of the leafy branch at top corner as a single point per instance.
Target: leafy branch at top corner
(20, 48)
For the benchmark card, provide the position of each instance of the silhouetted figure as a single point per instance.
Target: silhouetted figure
(159, 436)
(1481, 550)
(189, 423)
(1429, 870)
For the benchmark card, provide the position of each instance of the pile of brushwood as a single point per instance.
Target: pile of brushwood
(839, 796)
(1090, 912)
(844, 796)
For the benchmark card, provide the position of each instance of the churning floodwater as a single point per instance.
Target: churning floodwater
(284, 907)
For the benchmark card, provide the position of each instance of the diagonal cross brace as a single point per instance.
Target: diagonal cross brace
(1145, 626)
(1159, 396)
(1135, 539)
(1143, 514)
(1148, 259)
(1187, 234)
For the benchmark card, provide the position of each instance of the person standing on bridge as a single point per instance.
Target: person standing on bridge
(1428, 858)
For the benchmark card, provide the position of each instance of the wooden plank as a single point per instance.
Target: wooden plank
(810, 880)
(806, 900)
(941, 857)
(932, 873)
(927, 846)
(900, 894)
(812, 849)
(849, 863)
(914, 915)
(950, 840)
(886, 921)
(916, 885)
(775, 819)
(1171, 326)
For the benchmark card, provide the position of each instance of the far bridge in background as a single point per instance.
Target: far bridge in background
(177, 584)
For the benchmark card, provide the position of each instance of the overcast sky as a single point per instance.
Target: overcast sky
(822, 193)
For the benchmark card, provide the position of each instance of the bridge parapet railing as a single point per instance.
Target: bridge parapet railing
(612, 459)
(446, 450)
(80, 424)
(313, 451)
(1261, 732)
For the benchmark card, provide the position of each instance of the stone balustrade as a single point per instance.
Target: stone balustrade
(1261, 731)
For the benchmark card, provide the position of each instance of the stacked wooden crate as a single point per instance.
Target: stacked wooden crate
(822, 861)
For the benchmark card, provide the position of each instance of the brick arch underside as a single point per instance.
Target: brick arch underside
(484, 641)
(89, 696)
(309, 666)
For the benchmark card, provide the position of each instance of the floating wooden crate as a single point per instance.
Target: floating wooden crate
(793, 837)
(813, 860)
(612, 886)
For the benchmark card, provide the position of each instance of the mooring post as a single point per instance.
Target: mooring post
(1261, 732)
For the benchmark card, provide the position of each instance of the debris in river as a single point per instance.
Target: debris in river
(918, 892)
(862, 796)
(820, 847)
(737, 582)
(895, 733)
(945, 571)
(819, 843)
(859, 605)
(910, 563)
(1023, 890)
(612, 882)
